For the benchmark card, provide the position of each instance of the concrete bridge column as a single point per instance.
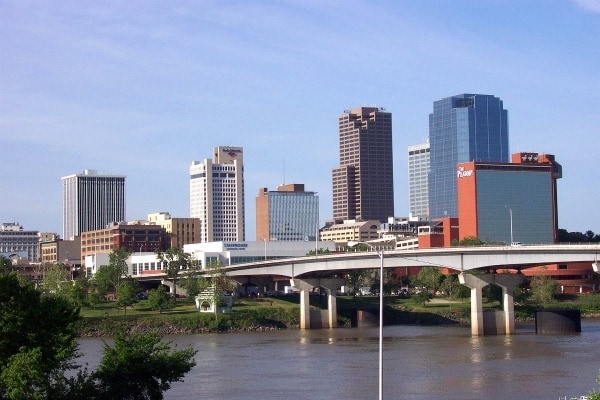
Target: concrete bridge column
(476, 283)
(304, 309)
(332, 308)
(305, 286)
(508, 283)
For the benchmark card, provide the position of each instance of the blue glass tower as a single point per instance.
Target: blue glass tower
(462, 128)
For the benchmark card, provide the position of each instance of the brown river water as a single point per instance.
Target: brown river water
(419, 362)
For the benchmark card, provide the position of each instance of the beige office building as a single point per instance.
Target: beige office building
(351, 231)
(182, 230)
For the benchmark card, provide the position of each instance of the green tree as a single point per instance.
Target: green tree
(422, 297)
(37, 339)
(452, 287)
(126, 292)
(5, 265)
(78, 291)
(24, 377)
(468, 241)
(594, 394)
(318, 252)
(356, 279)
(174, 260)
(57, 280)
(430, 278)
(492, 293)
(391, 281)
(141, 367)
(543, 289)
(38, 349)
(108, 277)
(159, 299)
(193, 282)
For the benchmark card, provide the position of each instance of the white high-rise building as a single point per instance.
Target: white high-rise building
(418, 182)
(91, 201)
(217, 195)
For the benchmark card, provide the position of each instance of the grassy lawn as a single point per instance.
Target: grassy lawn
(185, 306)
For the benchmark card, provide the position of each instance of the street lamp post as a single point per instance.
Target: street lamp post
(511, 224)
(380, 254)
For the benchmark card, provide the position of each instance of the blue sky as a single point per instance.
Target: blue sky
(143, 88)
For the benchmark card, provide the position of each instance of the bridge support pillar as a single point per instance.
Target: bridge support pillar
(305, 286)
(332, 308)
(304, 310)
(476, 283)
(508, 283)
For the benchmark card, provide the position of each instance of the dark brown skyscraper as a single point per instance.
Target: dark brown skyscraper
(363, 184)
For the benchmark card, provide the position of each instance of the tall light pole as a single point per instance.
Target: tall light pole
(380, 254)
(511, 224)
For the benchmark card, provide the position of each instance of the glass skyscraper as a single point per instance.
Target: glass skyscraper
(462, 128)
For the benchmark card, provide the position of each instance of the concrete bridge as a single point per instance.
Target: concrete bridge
(327, 271)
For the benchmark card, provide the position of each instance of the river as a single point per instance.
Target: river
(420, 362)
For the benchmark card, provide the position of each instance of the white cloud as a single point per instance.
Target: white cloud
(589, 5)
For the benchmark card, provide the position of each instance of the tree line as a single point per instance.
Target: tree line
(577, 237)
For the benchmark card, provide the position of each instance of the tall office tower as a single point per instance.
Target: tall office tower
(217, 195)
(462, 128)
(363, 184)
(510, 202)
(91, 202)
(418, 178)
(289, 213)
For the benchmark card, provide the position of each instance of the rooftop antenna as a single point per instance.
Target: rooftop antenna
(283, 164)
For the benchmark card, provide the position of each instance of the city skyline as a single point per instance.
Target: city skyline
(142, 91)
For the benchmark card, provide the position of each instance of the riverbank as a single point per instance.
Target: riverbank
(257, 315)
(270, 314)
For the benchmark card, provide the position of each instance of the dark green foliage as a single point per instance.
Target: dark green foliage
(159, 299)
(543, 289)
(126, 291)
(422, 297)
(577, 237)
(468, 241)
(174, 260)
(141, 367)
(37, 349)
(429, 277)
(452, 288)
(492, 293)
(5, 265)
(37, 338)
(107, 277)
